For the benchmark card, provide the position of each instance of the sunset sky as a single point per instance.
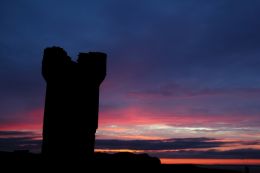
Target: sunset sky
(183, 76)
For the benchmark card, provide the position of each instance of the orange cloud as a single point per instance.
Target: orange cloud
(211, 161)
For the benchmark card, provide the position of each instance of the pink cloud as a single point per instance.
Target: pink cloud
(151, 115)
(30, 120)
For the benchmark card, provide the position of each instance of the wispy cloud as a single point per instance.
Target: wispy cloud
(20, 140)
(180, 91)
(11, 134)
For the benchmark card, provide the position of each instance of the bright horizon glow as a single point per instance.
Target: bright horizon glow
(198, 161)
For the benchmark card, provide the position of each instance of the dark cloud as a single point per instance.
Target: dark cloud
(168, 148)
(19, 140)
(169, 144)
(184, 148)
(17, 133)
(20, 143)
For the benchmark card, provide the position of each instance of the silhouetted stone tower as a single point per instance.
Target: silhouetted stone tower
(71, 103)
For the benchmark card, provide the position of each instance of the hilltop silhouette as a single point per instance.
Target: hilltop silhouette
(102, 162)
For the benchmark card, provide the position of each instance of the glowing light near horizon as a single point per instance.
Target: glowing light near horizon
(210, 161)
(163, 131)
(118, 150)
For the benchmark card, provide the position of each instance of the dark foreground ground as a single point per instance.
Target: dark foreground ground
(119, 162)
